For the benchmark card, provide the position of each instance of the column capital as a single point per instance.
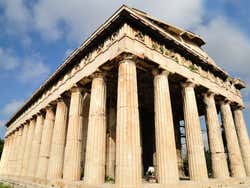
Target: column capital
(158, 71)
(76, 88)
(188, 83)
(225, 101)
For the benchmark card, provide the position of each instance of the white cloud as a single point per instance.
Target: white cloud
(11, 107)
(2, 123)
(228, 45)
(29, 69)
(33, 70)
(7, 60)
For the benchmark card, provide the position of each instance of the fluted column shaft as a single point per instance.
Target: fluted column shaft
(45, 146)
(236, 162)
(167, 166)
(36, 145)
(8, 164)
(195, 145)
(58, 141)
(128, 150)
(27, 151)
(22, 150)
(17, 161)
(243, 138)
(94, 171)
(13, 154)
(218, 156)
(73, 149)
(4, 156)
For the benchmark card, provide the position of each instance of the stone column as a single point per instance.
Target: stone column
(10, 150)
(167, 167)
(128, 150)
(13, 153)
(243, 138)
(218, 156)
(195, 146)
(110, 153)
(22, 150)
(58, 141)
(34, 156)
(17, 161)
(45, 147)
(3, 157)
(73, 149)
(94, 171)
(27, 151)
(236, 162)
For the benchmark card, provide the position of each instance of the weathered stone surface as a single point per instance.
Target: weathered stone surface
(45, 147)
(94, 172)
(167, 169)
(128, 149)
(243, 138)
(236, 162)
(36, 143)
(73, 148)
(195, 145)
(55, 168)
(218, 156)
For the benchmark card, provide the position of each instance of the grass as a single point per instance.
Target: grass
(4, 186)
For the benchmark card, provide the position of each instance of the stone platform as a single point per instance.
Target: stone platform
(229, 183)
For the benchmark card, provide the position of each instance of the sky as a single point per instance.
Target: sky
(37, 35)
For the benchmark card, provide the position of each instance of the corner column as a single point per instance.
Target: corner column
(73, 148)
(236, 162)
(218, 156)
(55, 168)
(45, 147)
(94, 171)
(128, 150)
(243, 138)
(195, 146)
(36, 145)
(167, 166)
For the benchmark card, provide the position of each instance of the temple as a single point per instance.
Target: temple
(123, 111)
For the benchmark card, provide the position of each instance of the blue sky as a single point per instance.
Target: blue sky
(37, 35)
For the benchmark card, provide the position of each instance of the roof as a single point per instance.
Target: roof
(184, 38)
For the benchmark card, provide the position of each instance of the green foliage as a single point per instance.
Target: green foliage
(154, 46)
(192, 68)
(4, 186)
(1, 146)
(109, 179)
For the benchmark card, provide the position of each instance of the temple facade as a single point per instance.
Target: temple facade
(114, 112)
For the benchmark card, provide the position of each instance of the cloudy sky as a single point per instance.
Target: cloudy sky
(37, 35)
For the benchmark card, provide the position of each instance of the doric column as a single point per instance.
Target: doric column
(27, 151)
(218, 156)
(195, 145)
(128, 150)
(236, 162)
(22, 150)
(73, 148)
(167, 167)
(3, 157)
(44, 154)
(13, 153)
(94, 171)
(10, 150)
(243, 138)
(58, 141)
(34, 156)
(110, 157)
(17, 161)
